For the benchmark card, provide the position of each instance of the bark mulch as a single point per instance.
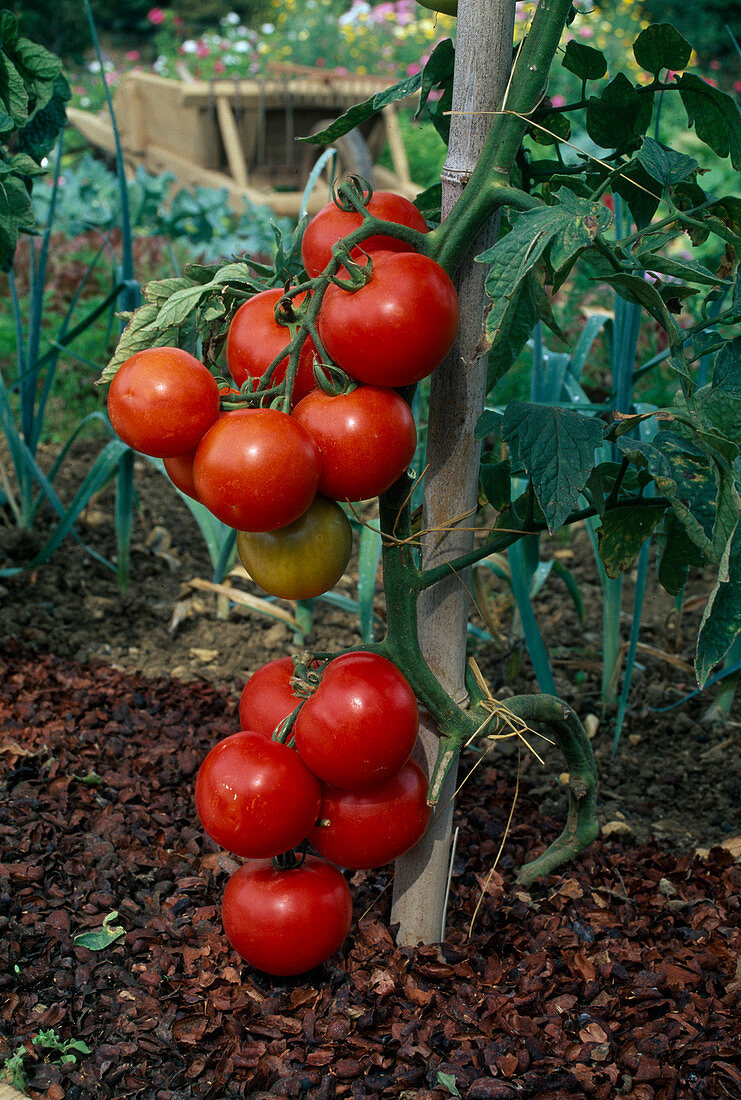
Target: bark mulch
(618, 977)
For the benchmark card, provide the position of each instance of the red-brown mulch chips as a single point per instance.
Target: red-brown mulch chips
(618, 977)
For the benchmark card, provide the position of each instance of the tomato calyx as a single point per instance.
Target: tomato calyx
(353, 193)
(307, 676)
(289, 860)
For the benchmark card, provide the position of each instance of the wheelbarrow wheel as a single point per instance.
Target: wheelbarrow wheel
(353, 155)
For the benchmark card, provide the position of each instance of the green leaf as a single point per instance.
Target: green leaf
(634, 288)
(721, 620)
(103, 937)
(556, 447)
(568, 226)
(13, 93)
(142, 331)
(665, 165)
(661, 46)
(552, 128)
(622, 533)
(727, 373)
(487, 424)
(676, 554)
(495, 481)
(714, 115)
(361, 112)
(16, 213)
(640, 192)
(40, 135)
(24, 165)
(584, 61)
(516, 330)
(37, 61)
(8, 29)
(678, 269)
(447, 1081)
(620, 116)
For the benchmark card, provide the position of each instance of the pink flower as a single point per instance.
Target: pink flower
(219, 67)
(558, 100)
(413, 69)
(156, 16)
(133, 55)
(715, 64)
(202, 50)
(111, 78)
(711, 80)
(737, 85)
(586, 32)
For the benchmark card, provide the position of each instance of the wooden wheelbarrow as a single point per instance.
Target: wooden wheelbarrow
(241, 134)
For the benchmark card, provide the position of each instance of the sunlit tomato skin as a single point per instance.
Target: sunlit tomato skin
(302, 559)
(287, 921)
(255, 338)
(161, 401)
(360, 725)
(267, 697)
(363, 829)
(257, 469)
(255, 797)
(397, 328)
(367, 439)
(331, 223)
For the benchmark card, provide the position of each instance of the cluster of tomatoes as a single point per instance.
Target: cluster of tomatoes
(279, 477)
(345, 785)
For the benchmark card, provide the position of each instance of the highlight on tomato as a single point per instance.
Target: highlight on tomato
(302, 559)
(332, 223)
(257, 469)
(268, 697)
(369, 828)
(398, 327)
(359, 726)
(367, 439)
(255, 338)
(255, 797)
(287, 920)
(161, 401)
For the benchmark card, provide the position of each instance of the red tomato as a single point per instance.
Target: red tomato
(372, 827)
(286, 921)
(398, 327)
(331, 223)
(257, 469)
(255, 338)
(267, 697)
(161, 402)
(367, 439)
(360, 725)
(254, 796)
(180, 472)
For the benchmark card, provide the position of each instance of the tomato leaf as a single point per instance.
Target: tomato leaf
(622, 533)
(620, 116)
(556, 447)
(103, 937)
(714, 115)
(584, 61)
(661, 46)
(665, 165)
(361, 112)
(721, 621)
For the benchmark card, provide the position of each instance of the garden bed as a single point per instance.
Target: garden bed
(617, 976)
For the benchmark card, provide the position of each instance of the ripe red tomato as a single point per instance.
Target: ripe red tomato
(286, 921)
(267, 697)
(255, 797)
(179, 469)
(302, 559)
(331, 223)
(367, 439)
(255, 338)
(257, 469)
(373, 827)
(398, 327)
(360, 725)
(161, 402)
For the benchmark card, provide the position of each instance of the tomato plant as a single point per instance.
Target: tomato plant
(398, 327)
(257, 469)
(286, 920)
(333, 223)
(162, 401)
(302, 559)
(360, 725)
(367, 439)
(254, 796)
(368, 828)
(255, 338)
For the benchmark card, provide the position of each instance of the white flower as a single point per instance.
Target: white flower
(267, 28)
(189, 46)
(242, 47)
(231, 20)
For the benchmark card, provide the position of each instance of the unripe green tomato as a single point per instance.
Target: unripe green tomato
(448, 7)
(301, 560)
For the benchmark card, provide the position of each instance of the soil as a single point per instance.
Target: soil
(617, 977)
